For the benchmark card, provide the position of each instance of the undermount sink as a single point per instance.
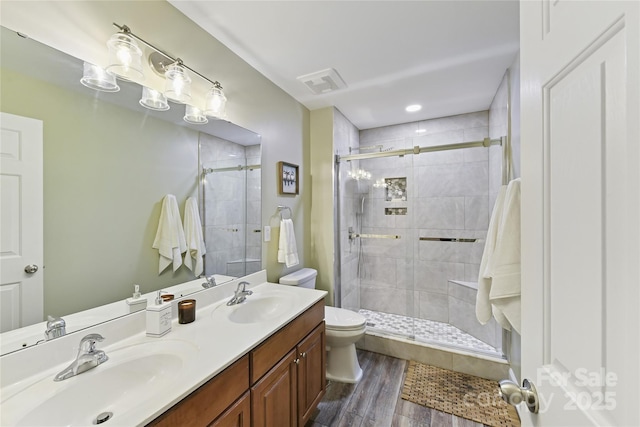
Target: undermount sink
(132, 375)
(258, 307)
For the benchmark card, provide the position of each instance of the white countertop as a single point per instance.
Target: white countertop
(213, 342)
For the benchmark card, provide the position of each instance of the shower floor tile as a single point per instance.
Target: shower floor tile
(425, 330)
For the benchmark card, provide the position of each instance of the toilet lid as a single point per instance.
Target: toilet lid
(340, 319)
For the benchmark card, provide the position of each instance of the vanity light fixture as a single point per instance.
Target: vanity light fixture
(153, 100)
(216, 102)
(95, 77)
(178, 83)
(125, 62)
(125, 57)
(195, 116)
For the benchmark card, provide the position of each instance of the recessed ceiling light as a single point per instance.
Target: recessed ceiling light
(413, 108)
(421, 131)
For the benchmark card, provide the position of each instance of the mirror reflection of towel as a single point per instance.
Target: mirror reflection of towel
(193, 235)
(287, 250)
(170, 240)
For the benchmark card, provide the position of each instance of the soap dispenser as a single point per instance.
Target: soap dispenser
(158, 318)
(136, 302)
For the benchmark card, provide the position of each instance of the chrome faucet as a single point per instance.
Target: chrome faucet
(241, 294)
(88, 358)
(56, 327)
(210, 283)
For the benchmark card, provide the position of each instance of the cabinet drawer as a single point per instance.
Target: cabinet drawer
(209, 401)
(267, 354)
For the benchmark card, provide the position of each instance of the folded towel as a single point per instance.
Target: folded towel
(504, 265)
(170, 240)
(193, 235)
(483, 304)
(287, 250)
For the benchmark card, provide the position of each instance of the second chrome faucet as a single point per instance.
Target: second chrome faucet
(240, 294)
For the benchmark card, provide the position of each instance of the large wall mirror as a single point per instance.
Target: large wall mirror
(108, 163)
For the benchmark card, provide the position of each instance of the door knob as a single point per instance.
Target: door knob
(514, 395)
(31, 268)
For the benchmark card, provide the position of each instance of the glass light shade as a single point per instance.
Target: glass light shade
(178, 84)
(96, 78)
(125, 57)
(195, 116)
(215, 103)
(153, 100)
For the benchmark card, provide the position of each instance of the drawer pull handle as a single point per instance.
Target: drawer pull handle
(297, 361)
(303, 354)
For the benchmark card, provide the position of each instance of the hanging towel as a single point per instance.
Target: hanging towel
(193, 235)
(483, 305)
(503, 266)
(170, 240)
(287, 250)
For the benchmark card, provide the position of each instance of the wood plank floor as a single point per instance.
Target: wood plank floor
(375, 401)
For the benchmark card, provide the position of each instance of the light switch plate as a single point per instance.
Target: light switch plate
(267, 233)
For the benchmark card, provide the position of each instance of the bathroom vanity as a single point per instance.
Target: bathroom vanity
(277, 384)
(259, 363)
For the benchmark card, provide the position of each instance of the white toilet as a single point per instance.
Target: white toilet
(343, 328)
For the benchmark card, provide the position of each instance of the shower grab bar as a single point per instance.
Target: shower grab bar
(373, 236)
(448, 239)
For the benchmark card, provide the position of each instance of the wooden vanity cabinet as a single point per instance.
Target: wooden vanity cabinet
(210, 401)
(288, 393)
(277, 384)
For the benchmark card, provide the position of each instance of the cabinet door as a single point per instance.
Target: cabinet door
(238, 415)
(273, 398)
(311, 373)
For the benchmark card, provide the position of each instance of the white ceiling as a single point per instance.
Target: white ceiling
(448, 56)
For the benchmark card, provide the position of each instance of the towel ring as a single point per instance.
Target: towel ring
(281, 208)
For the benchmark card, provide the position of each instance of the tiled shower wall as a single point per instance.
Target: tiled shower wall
(447, 197)
(231, 209)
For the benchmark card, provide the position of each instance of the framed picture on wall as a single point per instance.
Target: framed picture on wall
(288, 178)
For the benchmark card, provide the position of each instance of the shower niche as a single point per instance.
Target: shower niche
(396, 189)
(396, 193)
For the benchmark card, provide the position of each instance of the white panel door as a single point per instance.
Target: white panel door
(21, 222)
(580, 98)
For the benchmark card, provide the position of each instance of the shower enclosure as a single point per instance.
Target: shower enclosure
(413, 214)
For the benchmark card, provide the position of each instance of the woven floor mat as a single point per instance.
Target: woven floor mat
(459, 394)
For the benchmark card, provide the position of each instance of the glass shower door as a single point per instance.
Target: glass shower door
(377, 240)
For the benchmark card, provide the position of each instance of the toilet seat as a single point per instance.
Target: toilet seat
(339, 319)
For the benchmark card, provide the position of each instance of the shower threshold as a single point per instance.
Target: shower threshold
(427, 331)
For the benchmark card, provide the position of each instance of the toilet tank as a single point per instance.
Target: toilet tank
(305, 277)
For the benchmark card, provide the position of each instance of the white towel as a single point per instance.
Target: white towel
(193, 235)
(170, 240)
(287, 250)
(483, 305)
(503, 266)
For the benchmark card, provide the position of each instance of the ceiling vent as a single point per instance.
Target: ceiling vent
(323, 81)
